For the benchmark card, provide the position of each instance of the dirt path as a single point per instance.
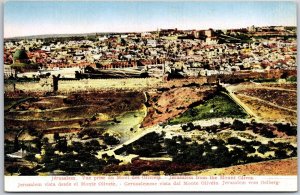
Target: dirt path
(241, 104)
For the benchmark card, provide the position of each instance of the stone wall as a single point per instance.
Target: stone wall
(45, 85)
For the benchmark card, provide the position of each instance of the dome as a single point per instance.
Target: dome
(20, 54)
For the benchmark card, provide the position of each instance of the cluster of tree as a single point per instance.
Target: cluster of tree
(287, 129)
(189, 127)
(110, 140)
(147, 146)
(264, 130)
(215, 153)
(263, 80)
(90, 133)
(21, 170)
(237, 125)
(72, 163)
(292, 79)
(77, 157)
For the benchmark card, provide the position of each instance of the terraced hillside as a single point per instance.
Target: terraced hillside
(74, 112)
(271, 102)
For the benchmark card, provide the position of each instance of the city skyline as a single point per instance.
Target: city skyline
(57, 17)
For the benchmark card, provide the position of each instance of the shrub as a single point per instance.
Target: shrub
(12, 169)
(27, 171)
(238, 125)
(249, 149)
(110, 140)
(280, 154)
(234, 141)
(263, 149)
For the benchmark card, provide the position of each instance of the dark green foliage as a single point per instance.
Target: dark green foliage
(12, 169)
(238, 156)
(264, 130)
(234, 141)
(32, 131)
(62, 145)
(90, 133)
(292, 79)
(16, 144)
(110, 140)
(56, 136)
(188, 127)
(27, 171)
(249, 149)
(220, 104)
(255, 143)
(71, 166)
(254, 158)
(287, 128)
(280, 153)
(147, 146)
(263, 149)
(212, 129)
(30, 157)
(267, 133)
(238, 125)
(70, 163)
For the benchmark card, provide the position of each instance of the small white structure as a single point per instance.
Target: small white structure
(19, 154)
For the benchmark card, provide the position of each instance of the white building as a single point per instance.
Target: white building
(8, 71)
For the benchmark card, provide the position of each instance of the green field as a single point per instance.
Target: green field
(219, 106)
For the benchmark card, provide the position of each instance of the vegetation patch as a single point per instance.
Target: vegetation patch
(216, 107)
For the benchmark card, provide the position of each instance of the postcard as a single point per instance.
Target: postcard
(133, 96)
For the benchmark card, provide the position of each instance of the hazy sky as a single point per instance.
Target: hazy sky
(37, 17)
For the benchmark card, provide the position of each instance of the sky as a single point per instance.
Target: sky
(23, 18)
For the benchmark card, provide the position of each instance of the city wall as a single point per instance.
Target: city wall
(46, 85)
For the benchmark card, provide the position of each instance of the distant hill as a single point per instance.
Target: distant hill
(92, 34)
(64, 35)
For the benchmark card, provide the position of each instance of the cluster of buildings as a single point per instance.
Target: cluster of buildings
(189, 52)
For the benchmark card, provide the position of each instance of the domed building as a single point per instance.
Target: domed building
(20, 56)
(21, 62)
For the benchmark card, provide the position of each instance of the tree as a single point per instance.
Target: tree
(280, 153)
(56, 136)
(238, 125)
(188, 127)
(77, 146)
(55, 82)
(263, 149)
(12, 169)
(62, 145)
(38, 144)
(113, 160)
(27, 171)
(110, 140)
(249, 149)
(16, 143)
(71, 166)
(234, 141)
(45, 140)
